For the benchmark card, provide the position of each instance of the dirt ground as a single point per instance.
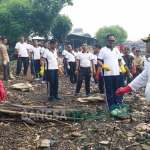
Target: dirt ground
(105, 133)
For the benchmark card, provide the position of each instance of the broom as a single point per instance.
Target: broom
(28, 75)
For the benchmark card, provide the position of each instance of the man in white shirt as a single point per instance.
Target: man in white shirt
(146, 60)
(133, 53)
(109, 59)
(84, 60)
(51, 59)
(35, 56)
(71, 64)
(76, 50)
(64, 52)
(23, 56)
(43, 49)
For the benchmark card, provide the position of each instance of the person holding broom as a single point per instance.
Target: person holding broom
(51, 69)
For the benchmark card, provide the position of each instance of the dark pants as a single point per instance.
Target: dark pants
(121, 84)
(111, 85)
(6, 72)
(25, 61)
(36, 68)
(52, 82)
(138, 71)
(84, 73)
(101, 84)
(73, 76)
(32, 66)
(66, 70)
(96, 67)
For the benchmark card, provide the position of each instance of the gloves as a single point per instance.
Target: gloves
(68, 67)
(123, 69)
(130, 76)
(4, 63)
(42, 71)
(134, 70)
(122, 90)
(106, 68)
(59, 70)
(97, 76)
(19, 55)
(2, 92)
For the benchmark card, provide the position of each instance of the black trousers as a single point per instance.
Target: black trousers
(84, 73)
(111, 84)
(6, 72)
(25, 61)
(36, 68)
(96, 67)
(101, 84)
(73, 76)
(52, 82)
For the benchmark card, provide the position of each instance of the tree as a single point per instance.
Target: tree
(14, 19)
(61, 27)
(44, 14)
(119, 32)
(87, 35)
(26, 17)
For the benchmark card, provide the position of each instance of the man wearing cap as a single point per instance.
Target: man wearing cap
(141, 80)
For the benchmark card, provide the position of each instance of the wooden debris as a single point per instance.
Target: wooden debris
(76, 134)
(22, 86)
(104, 142)
(45, 143)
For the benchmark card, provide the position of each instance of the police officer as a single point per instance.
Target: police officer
(50, 56)
(83, 64)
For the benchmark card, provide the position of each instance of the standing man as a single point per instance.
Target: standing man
(138, 63)
(83, 64)
(23, 56)
(76, 50)
(35, 55)
(64, 52)
(43, 49)
(4, 58)
(133, 53)
(146, 60)
(109, 59)
(71, 64)
(51, 59)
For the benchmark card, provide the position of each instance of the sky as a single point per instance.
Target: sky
(91, 15)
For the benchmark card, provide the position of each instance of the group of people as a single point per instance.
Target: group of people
(109, 66)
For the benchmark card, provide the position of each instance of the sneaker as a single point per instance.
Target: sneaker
(37, 79)
(76, 93)
(43, 82)
(51, 99)
(57, 98)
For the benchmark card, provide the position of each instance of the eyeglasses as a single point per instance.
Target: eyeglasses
(111, 40)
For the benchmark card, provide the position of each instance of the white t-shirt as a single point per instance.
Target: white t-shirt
(146, 61)
(64, 52)
(71, 56)
(132, 54)
(110, 58)
(22, 48)
(51, 59)
(95, 59)
(85, 59)
(30, 47)
(35, 52)
(43, 50)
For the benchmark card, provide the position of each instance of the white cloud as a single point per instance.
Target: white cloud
(132, 15)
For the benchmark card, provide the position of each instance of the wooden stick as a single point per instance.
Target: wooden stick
(50, 117)
(28, 127)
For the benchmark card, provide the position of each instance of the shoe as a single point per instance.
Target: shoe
(88, 95)
(57, 98)
(43, 82)
(51, 99)
(76, 93)
(37, 79)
